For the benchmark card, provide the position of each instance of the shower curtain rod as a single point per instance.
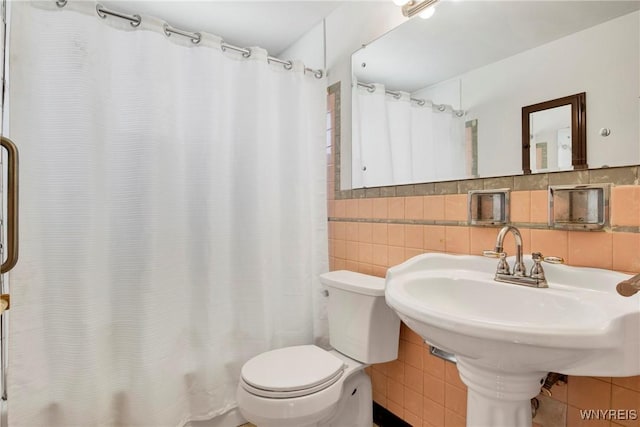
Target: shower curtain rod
(136, 20)
(421, 102)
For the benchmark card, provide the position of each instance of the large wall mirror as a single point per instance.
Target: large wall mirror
(442, 99)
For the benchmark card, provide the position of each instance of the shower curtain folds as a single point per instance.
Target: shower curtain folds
(173, 218)
(399, 140)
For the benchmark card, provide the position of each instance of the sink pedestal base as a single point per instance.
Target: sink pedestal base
(498, 399)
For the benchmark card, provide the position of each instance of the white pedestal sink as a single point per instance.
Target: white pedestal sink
(507, 337)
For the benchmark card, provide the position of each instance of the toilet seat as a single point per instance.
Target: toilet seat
(291, 372)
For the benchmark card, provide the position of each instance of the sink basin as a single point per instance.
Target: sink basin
(507, 337)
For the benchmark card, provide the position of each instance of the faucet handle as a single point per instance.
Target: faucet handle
(553, 259)
(493, 254)
(503, 266)
(537, 272)
(538, 257)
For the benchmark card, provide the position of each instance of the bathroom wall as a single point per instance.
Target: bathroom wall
(345, 30)
(496, 102)
(372, 229)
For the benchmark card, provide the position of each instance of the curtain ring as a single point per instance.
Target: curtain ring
(371, 89)
(61, 3)
(196, 40)
(318, 74)
(421, 102)
(288, 65)
(99, 11)
(136, 23)
(247, 54)
(441, 107)
(165, 28)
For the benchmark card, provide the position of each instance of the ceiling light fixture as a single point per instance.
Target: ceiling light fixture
(428, 12)
(415, 7)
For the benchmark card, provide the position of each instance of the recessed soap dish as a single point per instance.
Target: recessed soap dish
(579, 207)
(488, 207)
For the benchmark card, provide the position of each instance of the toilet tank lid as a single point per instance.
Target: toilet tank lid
(354, 282)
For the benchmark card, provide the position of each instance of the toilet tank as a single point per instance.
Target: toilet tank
(361, 324)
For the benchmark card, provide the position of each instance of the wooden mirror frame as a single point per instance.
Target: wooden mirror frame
(578, 129)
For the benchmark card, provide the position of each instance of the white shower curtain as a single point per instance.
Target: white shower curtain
(173, 218)
(397, 141)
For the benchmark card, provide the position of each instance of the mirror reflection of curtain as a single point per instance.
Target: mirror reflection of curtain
(396, 141)
(399, 119)
(370, 145)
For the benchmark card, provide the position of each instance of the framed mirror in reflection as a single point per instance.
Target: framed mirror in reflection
(431, 102)
(554, 135)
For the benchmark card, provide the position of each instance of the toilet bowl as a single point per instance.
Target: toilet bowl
(306, 385)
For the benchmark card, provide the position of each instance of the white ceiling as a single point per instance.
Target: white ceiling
(465, 35)
(273, 25)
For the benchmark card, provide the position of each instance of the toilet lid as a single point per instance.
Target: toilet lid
(292, 369)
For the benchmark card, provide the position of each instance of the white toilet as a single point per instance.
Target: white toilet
(305, 386)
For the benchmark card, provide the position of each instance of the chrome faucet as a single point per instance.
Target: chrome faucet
(519, 276)
(629, 287)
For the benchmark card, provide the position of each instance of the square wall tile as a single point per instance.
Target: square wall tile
(455, 399)
(432, 365)
(434, 208)
(380, 208)
(395, 234)
(395, 408)
(432, 413)
(412, 418)
(625, 205)
(413, 355)
(396, 208)
(539, 210)
(481, 239)
(591, 249)
(395, 371)
(626, 252)
(365, 232)
(520, 206)
(550, 242)
(351, 208)
(365, 253)
(380, 255)
(455, 207)
(365, 208)
(340, 209)
(340, 249)
(413, 236)
(452, 419)
(413, 207)
(434, 238)
(433, 388)
(412, 402)
(351, 231)
(339, 230)
(395, 392)
(396, 255)
(378, 234)
(457, 240)
(413, 378)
